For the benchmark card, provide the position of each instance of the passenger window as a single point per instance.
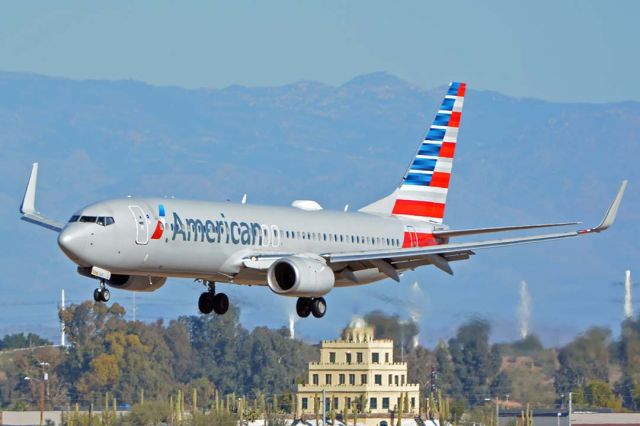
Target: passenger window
(325, 237)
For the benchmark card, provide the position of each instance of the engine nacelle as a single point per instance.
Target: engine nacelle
(136, 282)
(300, 277)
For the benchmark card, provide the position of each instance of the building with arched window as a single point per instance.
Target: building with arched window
(357, 373)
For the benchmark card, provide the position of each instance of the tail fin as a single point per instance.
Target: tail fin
(423, 191)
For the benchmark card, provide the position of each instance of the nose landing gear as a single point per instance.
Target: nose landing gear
(307, 305)
(209, 301)
(101, 294)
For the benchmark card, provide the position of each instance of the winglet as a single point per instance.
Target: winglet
(610, 217)
(28, 206)
(29, 201)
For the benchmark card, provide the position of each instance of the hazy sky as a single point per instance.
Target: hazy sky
(555, 50)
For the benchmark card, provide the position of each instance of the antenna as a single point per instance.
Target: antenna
(62, 335)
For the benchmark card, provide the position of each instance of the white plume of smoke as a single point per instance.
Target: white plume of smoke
(628, 307)
(524, 310)
(292, 325)
(414, 312)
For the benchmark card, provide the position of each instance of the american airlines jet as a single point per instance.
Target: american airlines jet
(300, 251)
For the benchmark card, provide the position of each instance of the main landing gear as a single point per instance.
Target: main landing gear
(307, 305)
(101, 294)
(209, 301)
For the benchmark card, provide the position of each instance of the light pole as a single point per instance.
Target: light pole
(559, 414)
(570, 407)
(42, 381)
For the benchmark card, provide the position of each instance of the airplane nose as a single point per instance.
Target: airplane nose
(72, 241)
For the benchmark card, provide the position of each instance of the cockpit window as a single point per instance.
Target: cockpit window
(100, 220)
(105, 220)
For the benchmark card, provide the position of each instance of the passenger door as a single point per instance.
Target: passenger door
(142, 225)
(275, 240)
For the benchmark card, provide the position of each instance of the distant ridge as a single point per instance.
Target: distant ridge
(528, 159)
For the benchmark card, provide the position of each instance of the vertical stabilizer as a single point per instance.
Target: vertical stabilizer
(423, 191)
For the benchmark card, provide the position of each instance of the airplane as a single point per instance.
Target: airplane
(300, 251)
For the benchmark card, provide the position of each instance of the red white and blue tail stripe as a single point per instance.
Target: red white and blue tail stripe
(423, 192)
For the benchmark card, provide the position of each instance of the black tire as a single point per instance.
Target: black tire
(97, 297)
(205, 302)
(303, 307)
(220, 303)
(318, 307)
(105, 295)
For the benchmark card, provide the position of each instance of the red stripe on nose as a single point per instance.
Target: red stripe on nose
(157, 234)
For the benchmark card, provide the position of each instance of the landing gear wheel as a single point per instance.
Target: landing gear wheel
(303, 307)
(220, 303)
(205, 302)
(101, 295)
(318, 307)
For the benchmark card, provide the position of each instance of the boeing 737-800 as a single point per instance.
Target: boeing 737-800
(301, 251)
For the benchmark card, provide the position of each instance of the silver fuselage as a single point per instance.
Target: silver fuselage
(209, 240)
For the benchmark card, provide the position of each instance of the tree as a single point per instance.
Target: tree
(584, 359)
(420, 363)
(600, 395)
(21, 340)
(444, 376)
(475, 362)
(501, 385)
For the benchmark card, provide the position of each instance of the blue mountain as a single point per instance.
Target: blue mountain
(518, 161)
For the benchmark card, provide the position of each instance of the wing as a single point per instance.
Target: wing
(389, 261)
(28, 206)
(446, 233)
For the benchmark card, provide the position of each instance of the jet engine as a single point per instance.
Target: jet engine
(136, 282)
(300, 277)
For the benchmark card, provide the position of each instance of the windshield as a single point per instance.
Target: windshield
(100, 220)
